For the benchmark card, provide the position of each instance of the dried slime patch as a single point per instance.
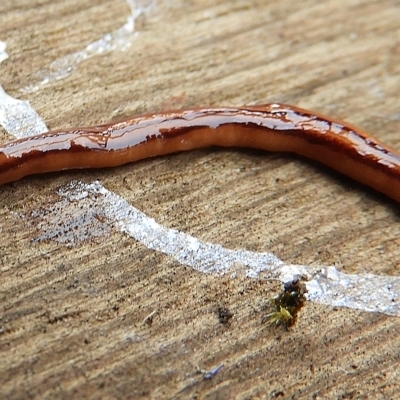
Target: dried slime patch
(71, 221)
(89, 212)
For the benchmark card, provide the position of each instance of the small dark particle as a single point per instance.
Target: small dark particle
(224, 315)
(149, 319)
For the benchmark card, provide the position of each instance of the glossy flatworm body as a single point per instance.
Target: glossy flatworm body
(271, 127)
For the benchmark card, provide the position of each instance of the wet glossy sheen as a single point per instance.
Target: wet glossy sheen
(271, 127)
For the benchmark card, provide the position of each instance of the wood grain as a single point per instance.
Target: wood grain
(71, 319)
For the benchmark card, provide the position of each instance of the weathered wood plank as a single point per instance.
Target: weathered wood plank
(71, 319)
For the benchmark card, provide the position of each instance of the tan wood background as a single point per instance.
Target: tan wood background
(71, 319)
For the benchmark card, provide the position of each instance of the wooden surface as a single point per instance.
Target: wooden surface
(71, 318)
